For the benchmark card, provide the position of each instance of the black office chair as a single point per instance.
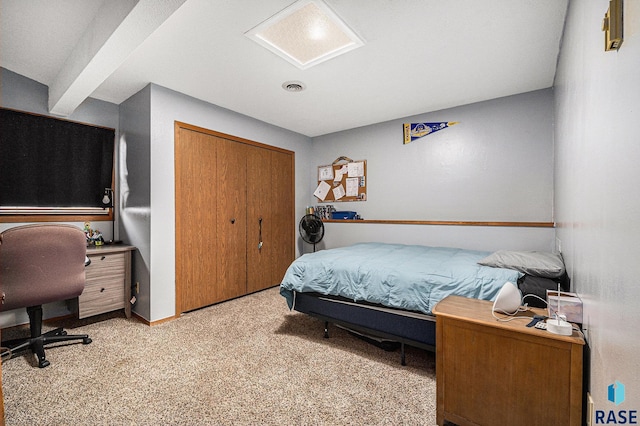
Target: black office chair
(41, 264)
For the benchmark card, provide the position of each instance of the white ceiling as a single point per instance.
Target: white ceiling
(419, 55)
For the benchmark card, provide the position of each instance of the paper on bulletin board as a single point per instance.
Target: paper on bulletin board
(340, 173)
(353, 183)
(325, 172)
(355, 169)
(322, 190)
(338, 192)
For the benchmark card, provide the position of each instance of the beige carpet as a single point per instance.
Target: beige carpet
(247, 361)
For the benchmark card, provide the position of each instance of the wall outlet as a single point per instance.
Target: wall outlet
(590, 410)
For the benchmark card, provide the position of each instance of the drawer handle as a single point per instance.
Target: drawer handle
(102, 290)
(103, 257)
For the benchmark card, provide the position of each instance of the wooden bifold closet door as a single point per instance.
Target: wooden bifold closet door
(231, 194)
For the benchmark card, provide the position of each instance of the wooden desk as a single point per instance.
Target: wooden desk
(504, 373)
(108, 285)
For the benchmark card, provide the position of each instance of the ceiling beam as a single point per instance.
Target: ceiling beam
(116, 31)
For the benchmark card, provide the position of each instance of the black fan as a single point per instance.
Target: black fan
(311, 229)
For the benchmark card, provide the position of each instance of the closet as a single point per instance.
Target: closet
(235, 226)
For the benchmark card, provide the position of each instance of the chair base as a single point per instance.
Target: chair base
(37, 341)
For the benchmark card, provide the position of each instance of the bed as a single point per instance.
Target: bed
(387, 291)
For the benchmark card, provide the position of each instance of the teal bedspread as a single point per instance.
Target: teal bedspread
(400, 276)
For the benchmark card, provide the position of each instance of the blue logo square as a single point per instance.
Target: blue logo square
(615, 393)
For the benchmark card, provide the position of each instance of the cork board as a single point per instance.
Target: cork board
(343, 180)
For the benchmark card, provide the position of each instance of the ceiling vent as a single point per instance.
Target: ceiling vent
(293, 86)
(305, 34)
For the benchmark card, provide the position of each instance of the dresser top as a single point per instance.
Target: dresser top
(479, 312)
(109, 248)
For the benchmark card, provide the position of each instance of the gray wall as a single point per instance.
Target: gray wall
(134, 184)
(597, 102)
(24, 94)
(519, 126)
(495, 165)
(167, 107)
(500, 169)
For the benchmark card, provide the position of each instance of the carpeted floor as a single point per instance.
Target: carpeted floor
(247, 361)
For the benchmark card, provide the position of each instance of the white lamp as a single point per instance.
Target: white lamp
(508, 299)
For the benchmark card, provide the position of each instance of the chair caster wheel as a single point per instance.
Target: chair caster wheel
(44, 363)
(86, 340)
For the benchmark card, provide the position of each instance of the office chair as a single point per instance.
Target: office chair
(41, 264)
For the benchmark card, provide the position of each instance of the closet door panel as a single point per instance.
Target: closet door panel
(231, 226)
(282, 210)
(259, 220)
(231, 194)
(196, 263)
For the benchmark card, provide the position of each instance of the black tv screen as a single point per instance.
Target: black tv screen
(49, 162)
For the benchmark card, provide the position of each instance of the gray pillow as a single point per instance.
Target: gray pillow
(536, 263)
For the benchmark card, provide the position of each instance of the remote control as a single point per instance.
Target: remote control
(536, 319)
(541, 325)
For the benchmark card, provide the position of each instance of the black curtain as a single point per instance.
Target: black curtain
(48, 162)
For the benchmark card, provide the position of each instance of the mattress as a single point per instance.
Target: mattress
(409, 277)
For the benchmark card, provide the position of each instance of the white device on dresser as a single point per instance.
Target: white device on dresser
(559, 325)
(508, 299)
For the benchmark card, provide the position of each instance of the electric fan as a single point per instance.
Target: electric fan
(311, 229)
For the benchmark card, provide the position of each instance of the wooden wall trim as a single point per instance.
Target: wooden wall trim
(153, 323)
(448, 222)
(180, 124)
(55, 218)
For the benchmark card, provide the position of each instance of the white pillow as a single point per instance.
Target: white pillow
(536, 263)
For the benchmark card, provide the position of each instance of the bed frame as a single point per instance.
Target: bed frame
(411, 328)
(394, 325)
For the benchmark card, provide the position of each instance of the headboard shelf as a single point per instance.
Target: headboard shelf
(448, 222)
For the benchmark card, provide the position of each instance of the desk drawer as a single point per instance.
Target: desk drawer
(104, 290)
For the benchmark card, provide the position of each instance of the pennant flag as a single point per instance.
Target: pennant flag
(413, 131)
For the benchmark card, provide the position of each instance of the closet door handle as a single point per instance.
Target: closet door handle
(260, 233)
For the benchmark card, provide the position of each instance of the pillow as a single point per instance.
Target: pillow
(538, 286)
(536, 263)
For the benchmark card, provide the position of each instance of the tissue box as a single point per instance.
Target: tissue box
(343, 215)
(570, 305)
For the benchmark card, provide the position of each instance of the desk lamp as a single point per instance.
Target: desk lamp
(508, 299)
(107, 200)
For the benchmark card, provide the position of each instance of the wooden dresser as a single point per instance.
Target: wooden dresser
(490, 372)
(108, 285)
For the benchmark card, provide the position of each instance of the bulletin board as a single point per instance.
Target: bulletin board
(343, 180)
